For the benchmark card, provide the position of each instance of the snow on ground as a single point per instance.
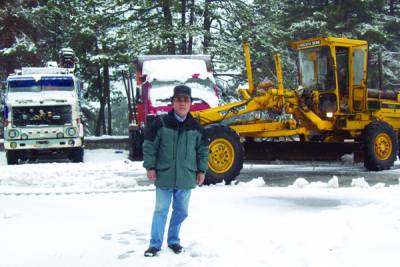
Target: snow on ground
(104, 169)
(246, 224)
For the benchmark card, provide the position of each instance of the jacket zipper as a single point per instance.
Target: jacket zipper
(175, 152)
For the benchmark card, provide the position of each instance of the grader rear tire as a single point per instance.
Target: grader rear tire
(226, 155)
(380, 146)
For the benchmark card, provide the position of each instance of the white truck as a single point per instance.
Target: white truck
(42, 114)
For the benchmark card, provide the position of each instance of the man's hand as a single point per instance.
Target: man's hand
(151, 175)
(200, 178)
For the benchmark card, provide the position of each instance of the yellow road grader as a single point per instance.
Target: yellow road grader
(332, 105)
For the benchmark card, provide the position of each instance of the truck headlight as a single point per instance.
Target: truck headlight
(60, 135)
(12, 133)
(71, 131)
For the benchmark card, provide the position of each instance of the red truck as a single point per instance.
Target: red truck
(156, 76)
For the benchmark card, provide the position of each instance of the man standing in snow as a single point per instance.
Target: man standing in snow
(175, 154)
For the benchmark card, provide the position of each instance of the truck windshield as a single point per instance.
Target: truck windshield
(51, 83)
(57, 83)
(162, 91)
(41, 115)
(316, 69)
(24, 85)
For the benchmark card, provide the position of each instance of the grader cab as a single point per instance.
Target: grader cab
(331, 107)
(335, 70)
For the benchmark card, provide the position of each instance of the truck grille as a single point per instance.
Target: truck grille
(41, 115)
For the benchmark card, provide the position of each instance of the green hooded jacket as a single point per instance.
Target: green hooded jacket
(176, 150)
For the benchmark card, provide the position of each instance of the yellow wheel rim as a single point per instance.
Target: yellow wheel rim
(383, 146)
(222, 155)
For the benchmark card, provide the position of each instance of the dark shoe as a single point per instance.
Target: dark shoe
(176, 248)
(151, 252)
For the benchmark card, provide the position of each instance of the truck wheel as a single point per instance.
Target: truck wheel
(76, 154)
(12, 157)
(380, 146)
(226, 155)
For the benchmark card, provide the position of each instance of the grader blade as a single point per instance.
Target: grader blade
(301, 151)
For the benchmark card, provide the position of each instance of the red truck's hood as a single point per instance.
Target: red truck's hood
(165, 109)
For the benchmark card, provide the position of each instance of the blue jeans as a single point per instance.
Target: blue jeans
(180, 203)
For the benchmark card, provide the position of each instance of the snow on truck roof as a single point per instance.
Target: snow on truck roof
(37, 73)
(175, 69)
(141, 59)
(45, 70)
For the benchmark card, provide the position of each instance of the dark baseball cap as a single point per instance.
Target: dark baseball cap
(182, 90)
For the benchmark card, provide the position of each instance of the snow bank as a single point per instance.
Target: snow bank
(104, 169)
(360, 182)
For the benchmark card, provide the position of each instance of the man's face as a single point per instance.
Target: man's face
(181, 105)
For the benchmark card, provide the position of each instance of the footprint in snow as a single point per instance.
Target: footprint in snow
(197, 250)
(125, 255)
(140, 234)
(123, 241)
(107, 237)
(129, 232)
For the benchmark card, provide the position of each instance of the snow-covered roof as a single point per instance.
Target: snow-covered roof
(45, 70)
(174, 69)
(141, 59)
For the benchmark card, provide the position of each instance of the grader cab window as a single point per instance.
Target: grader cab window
(358, 66)
(342, 64)
(316, 69)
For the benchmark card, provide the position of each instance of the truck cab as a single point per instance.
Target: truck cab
(42, 114)
(156, 77)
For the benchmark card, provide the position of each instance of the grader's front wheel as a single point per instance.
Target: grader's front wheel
(380, 146)
(226, 155)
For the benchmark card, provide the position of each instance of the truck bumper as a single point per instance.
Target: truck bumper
(43, 143)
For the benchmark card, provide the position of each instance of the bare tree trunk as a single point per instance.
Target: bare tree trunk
(191, 21)
(107, 97)
(168, 26)
(391, 7)
(103, 122)
(100, 118)
(206, 27)
(183, 22)
(127, 87)
(135, 96)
